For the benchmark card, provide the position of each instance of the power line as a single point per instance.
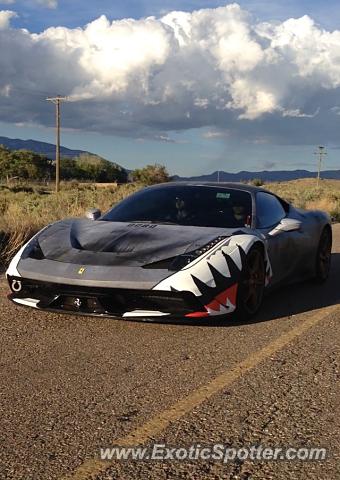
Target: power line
(320, 154)
(57, 102)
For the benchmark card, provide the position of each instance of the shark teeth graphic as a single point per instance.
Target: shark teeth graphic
(222, 282)
(223, 309)
(215, 290)
(224, 303)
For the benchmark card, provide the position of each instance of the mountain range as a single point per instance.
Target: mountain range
(264, 175)
(43, 148)
(48, 149)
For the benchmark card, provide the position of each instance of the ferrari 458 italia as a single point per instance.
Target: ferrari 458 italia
(191, 250)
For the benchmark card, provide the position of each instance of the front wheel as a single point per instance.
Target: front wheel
(323, 256)
(252, 284)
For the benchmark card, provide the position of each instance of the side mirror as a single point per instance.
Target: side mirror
(93, 214)
(286, 225)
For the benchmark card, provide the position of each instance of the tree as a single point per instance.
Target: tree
(257, 182)
(151, 174)
(27, 165)
(30, 165)
(70, 170)
(98, 169)
(6, 162)
(24, 164)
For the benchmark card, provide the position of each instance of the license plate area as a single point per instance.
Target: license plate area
(79, 304)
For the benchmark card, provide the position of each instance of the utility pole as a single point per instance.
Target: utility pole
(320, 154)
(218, 176)
(57, 101)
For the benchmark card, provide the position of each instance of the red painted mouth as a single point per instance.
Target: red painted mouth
(223, 303)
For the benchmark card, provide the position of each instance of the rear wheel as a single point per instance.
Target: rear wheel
(252, 284)
(323, 256)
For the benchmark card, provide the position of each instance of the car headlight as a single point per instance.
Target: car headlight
(183, 260)
(208, 246)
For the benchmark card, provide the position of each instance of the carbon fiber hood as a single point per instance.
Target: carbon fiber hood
(89, 242)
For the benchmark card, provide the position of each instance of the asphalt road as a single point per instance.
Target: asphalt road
(70, 385)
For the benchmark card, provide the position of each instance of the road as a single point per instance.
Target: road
(70, 385)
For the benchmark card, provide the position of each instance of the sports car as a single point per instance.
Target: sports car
(173, 250)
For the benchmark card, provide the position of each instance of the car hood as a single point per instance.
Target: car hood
(89, 242)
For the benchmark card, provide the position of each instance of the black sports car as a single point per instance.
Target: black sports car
(173, 250)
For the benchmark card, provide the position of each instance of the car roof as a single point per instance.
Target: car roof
(236, 185)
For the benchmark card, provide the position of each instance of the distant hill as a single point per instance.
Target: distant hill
(48, 149)
(265, 175)
(44, 148)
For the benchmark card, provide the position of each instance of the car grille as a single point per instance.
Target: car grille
(109, 301)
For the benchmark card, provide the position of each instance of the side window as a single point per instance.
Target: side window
(269, 210)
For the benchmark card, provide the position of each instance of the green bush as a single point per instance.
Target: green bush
(151, 174)
(24, 165)
(257, 182)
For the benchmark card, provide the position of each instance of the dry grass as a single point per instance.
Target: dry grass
(305, 194)
(23, 213)
(99, 185)
(25, 210)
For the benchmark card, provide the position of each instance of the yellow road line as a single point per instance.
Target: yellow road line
(161, 421)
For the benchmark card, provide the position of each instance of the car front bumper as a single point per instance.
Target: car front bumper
(99, 301)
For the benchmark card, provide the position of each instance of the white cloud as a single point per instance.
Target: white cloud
(336, 110)
(216, 134)
(5, 91)
(48, 3)
(298, 114)
(201, 102)
(214, 68)
(5, 18)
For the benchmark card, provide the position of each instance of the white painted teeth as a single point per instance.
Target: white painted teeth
(223, 309)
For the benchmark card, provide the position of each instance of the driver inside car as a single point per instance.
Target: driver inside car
(183, 211)
(240, 215)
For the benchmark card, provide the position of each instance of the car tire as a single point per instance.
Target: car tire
(323, 256)
(252, 284)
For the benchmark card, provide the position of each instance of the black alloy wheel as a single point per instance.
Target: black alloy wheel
(252, 284)
(323, 256)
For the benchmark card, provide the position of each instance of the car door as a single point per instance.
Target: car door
(285, 248)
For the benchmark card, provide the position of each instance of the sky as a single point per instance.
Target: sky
(197, 85)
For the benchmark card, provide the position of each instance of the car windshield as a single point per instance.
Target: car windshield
(186, 205)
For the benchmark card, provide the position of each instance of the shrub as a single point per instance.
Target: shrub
(257, 182)
(151, 174)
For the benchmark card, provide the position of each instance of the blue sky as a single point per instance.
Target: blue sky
(75, 13)
(190, 132)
